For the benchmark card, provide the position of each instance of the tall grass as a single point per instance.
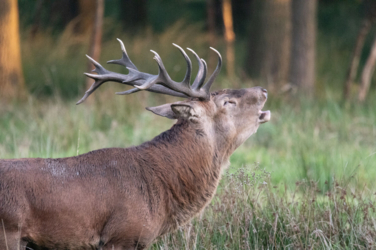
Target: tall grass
(248, 212)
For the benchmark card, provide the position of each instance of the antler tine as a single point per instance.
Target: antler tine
(200, 78)
(164, 79)
(98, 68)
(187, 78)
(162, 73)
(124, 60)
(135, 75)
(128, 92)
(159, 89)
(98, 79)
(215, 73)
(205, 69)
(93, 87)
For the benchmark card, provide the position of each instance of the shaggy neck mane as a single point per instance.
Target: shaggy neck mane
(188, 167)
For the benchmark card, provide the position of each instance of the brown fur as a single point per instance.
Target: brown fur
(123, 198)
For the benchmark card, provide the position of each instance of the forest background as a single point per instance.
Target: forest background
(316, 58)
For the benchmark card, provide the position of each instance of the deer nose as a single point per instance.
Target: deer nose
(264, 92)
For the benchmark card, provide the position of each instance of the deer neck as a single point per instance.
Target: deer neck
(191, 171)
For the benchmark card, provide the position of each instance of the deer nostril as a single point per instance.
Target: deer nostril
(264, 92)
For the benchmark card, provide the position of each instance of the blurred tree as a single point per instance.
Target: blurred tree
(303, 45)
(353, 68)
(76, 16)
(369, 13)
(60, 13)
(86, 23)
(133, 14)
(240, 10)
(53, 16)
(211, 23)
(229, 37)
(37, 19)
(96, 37)
(268, 53)
(367, 73)
(11, 77)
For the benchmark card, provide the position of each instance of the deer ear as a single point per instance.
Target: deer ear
(164, 110)
(173, 111)
(184, 111)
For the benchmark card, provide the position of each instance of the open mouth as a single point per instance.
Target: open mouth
(264, 116)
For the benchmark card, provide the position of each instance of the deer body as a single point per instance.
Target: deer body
(124, 198)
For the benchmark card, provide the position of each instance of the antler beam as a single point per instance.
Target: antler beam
(161, 83)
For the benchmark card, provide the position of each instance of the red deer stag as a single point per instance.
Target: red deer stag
(124, 198)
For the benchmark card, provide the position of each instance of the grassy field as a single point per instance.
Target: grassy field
(304, 181)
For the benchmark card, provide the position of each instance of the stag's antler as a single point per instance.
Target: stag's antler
(161, 83)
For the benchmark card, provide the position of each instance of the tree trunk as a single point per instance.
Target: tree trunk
(229, 37)
(11, 77)
(62, 12)
(351, 73)
(212, 32)
(369, 7)
(367, 73)
(87, 16)
(96, 37)
(303, 50)
(37, 19)
(268, 54)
